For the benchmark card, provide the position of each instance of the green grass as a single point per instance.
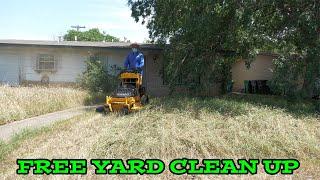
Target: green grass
(17, 139)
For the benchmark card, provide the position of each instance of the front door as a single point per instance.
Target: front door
(9, 69)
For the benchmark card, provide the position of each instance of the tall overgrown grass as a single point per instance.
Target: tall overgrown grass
(23, 102)
(228, 127)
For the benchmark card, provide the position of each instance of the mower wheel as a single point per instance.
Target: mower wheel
(144, 100)
(106, 110)
(100, 109)
(124, 111)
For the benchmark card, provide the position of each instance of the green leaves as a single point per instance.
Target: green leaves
(90, 35)
(96, 78)
(204, 34)
(200, 34)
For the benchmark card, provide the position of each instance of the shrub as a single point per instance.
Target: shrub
(96, 78)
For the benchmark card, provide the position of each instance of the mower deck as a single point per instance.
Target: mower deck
(129, 97)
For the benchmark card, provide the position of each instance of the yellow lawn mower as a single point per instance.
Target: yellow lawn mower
(128, 97)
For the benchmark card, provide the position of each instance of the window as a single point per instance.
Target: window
(46, 62)
(111, 68)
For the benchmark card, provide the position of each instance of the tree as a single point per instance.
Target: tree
(206, 37)
(294, 27)
(90, 35)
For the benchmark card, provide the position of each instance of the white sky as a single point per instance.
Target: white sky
(46, 20)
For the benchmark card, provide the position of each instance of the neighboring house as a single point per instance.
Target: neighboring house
(25, 61)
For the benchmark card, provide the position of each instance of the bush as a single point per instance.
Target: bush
(96, 78)
(317, 105)
(286, 76)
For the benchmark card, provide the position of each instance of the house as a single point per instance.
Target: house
(260, 69)
(26, 61)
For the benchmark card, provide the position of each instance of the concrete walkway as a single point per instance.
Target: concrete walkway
(8, 130)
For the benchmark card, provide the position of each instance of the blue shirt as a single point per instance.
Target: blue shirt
(134, 61)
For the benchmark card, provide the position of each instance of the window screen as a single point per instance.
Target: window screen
(46, 62)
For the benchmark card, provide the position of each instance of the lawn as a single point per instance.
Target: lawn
(17, 103)
(230, 126)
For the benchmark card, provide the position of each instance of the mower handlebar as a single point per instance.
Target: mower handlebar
(137, 70)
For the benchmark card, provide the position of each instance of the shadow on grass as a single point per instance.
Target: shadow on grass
(197, 104)
(297, 108)
(94, 98)
(234, 105)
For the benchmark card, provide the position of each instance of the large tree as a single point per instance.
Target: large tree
(207, 36)
(294, 27)
(90, 35)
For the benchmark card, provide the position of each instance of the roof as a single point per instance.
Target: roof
(124, 45)
(119, 45)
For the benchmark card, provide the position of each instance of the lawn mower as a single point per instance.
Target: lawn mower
(128, 97)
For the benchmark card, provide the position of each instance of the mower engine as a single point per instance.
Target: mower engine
(129, 96)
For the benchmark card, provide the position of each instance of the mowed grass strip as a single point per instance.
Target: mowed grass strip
(72, 138)
(18, 103)
(230, 127)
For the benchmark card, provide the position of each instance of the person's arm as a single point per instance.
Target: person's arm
(141, 63)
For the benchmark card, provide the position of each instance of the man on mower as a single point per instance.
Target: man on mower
(135, 59)
(130, 95)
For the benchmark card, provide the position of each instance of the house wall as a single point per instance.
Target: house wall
(260, 69)
(114, 56)
(154, 81)
(18, 64)
(70, 63)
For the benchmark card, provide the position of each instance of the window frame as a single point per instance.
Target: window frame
(46, 59)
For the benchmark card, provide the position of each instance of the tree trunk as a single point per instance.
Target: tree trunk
(310, 77)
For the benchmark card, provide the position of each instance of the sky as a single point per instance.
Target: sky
(48, 19)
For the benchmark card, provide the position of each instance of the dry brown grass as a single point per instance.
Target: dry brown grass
(192, 128)
(22, 102)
